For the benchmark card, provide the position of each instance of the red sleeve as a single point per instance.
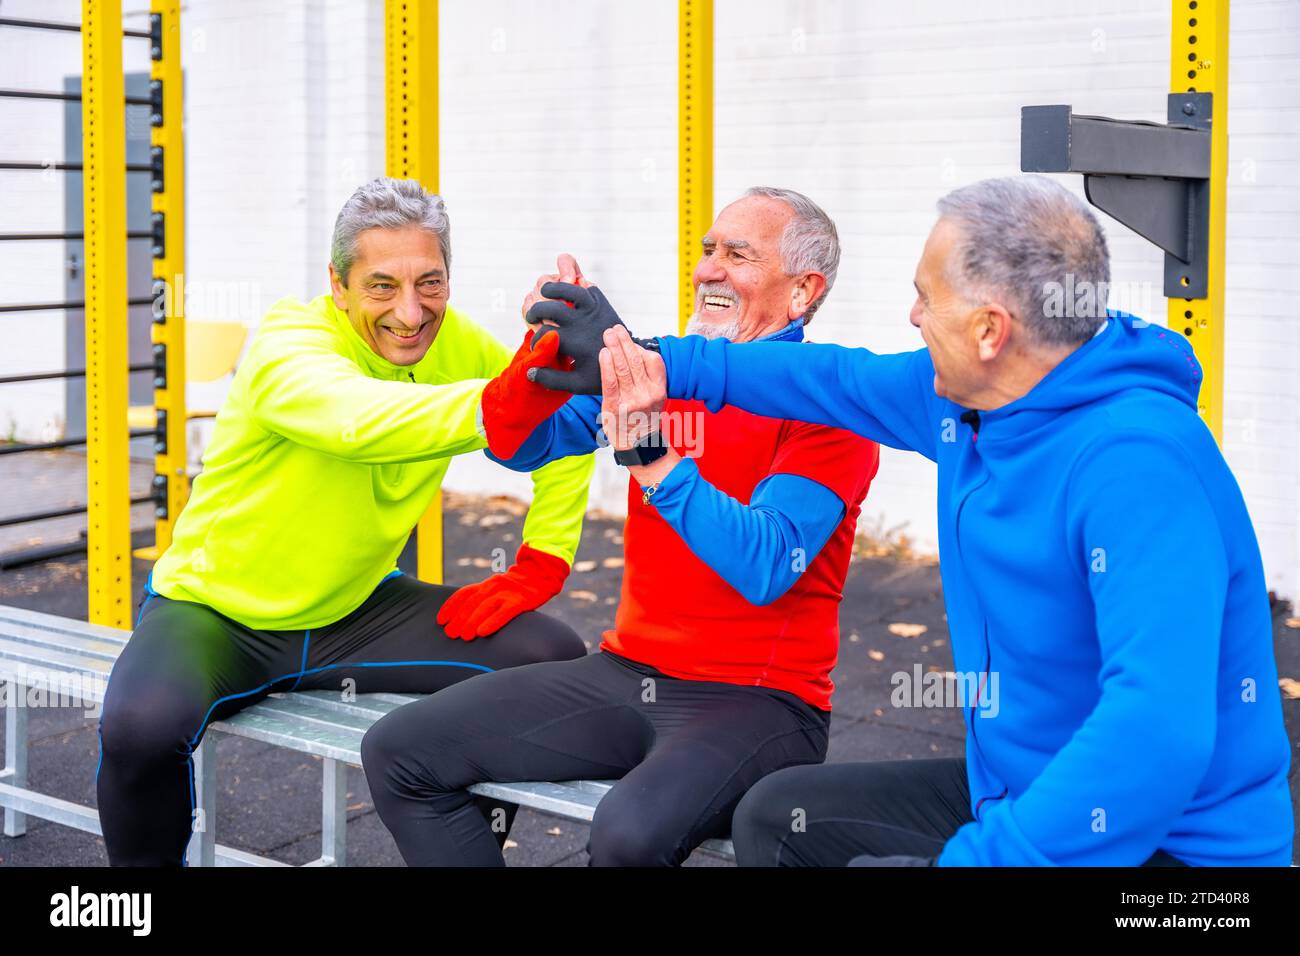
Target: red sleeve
(842, 461)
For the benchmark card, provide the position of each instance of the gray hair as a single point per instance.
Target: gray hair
(809, 243)
(386, 203)
(1023, 242)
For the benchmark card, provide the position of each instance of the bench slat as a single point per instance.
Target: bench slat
(558, 798)
(92, 647)
(304, 737)
(372, 706)
(60, 625)
(16, 656)
(307, 714)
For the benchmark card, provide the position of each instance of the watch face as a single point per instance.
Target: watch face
(649, 449)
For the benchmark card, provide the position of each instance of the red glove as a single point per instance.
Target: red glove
(480, 609)
(513, 407)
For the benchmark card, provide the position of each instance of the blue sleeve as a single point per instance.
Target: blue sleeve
(760, 549)
(887, 398)
(573, 430)
(1157, 571)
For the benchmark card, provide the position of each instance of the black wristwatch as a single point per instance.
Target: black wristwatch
(649, 449)
(650, 345)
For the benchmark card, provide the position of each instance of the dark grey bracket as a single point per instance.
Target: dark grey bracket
(1154, 178)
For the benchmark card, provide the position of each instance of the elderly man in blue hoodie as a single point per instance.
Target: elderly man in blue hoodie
(1096, 553)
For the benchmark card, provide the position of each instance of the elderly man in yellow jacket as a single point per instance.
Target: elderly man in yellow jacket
(332, 442)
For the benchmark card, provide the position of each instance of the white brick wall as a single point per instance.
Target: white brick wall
(558, 133)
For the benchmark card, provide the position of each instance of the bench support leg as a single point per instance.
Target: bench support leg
(334, 814)
(203, 844)
(15, 771)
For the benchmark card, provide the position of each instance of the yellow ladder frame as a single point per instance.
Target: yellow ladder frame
(1198, 62)
(108, 467)
(411, 152)
(694, 142)
(170, 466)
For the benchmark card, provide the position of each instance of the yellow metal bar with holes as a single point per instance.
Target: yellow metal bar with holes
(1199, 63)
(694, 141)
(103, 130)
(169, 270)
(411, 152)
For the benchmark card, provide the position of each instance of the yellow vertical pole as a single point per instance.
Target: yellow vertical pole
(171, 478)
(411, 147)
(694, 141)
(103, 129)
(1199, 63)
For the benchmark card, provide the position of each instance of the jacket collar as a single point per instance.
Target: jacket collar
(791, 333)
(375, 364)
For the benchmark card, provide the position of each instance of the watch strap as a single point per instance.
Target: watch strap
(649, 449)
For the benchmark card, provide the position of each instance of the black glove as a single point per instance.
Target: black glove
(582, 335)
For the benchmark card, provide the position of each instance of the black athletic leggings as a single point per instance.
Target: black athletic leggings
(685, 750)
(854, 810)
(186, 666)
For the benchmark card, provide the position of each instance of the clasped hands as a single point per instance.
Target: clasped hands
(604, 359)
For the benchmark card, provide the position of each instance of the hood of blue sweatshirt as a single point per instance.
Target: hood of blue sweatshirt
(1106, 601)
(1128, 359)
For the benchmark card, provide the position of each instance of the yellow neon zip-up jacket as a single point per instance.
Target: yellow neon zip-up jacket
(323, 458)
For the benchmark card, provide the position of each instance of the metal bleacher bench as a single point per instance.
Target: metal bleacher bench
(63, 653)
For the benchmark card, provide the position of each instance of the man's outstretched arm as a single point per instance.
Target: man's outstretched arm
(299, 386)
(574, 429)
(887, 398)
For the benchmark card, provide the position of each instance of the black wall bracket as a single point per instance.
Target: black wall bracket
(1154, 178)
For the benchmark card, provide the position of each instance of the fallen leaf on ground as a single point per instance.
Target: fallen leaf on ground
(554, 831)
(581, 566)
(583, 595)
(1290, 688)
(510, 845)
(482, 562)
(1293, 622)
(902, 629)
(612, 563)
(876, 655)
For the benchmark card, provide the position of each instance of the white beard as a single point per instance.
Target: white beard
(713, 330)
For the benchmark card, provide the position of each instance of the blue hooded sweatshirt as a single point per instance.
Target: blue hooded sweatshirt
(1103, 585)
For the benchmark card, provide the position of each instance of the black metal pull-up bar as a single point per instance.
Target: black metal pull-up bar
(63, 27)
(66, 97)
(71, 167)
(55, 306)
(1152, 177)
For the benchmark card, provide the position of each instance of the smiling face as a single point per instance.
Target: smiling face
(943, 315)
(980, 360)
(396, 292)
(741, 289)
